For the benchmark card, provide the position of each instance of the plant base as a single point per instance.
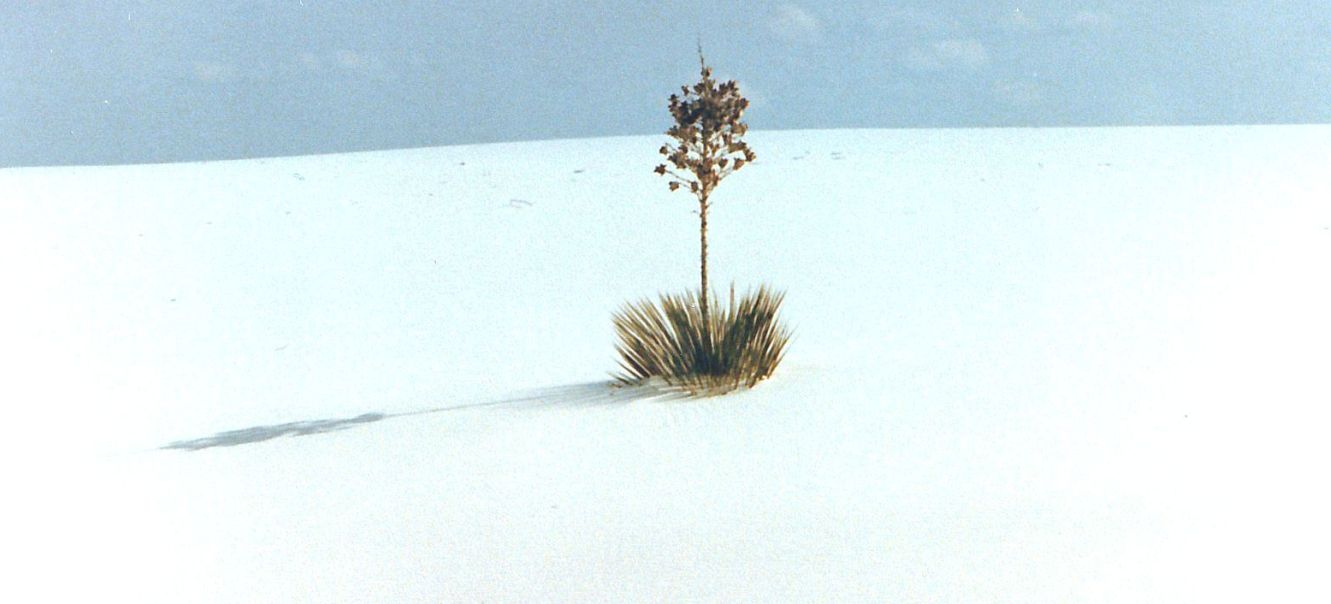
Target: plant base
(735, 346)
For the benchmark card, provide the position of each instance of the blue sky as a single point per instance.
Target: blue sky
(123, 81)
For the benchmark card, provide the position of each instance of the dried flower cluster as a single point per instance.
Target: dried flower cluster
(709, 147)
(709, 134)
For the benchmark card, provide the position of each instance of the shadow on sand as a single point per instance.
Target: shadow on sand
(588, 394)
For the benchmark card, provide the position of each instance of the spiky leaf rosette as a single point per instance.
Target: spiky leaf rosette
(727, 348)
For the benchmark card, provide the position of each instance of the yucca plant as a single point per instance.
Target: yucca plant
(702, 353)
(689, 341)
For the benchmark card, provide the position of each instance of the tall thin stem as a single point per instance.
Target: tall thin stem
(702, 212)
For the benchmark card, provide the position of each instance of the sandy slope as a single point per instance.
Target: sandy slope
(1031, 365)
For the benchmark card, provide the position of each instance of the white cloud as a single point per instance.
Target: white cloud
(349, 62)
(1018, 92)
(350, 59)
(1318, 57)
(1018, 20)
(369, 65)
(310, 61)
(215, 72)
(794, 24)
(916, 23)
(949, 54)
(1094, 20)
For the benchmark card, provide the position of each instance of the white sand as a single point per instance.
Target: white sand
(1056, 365)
